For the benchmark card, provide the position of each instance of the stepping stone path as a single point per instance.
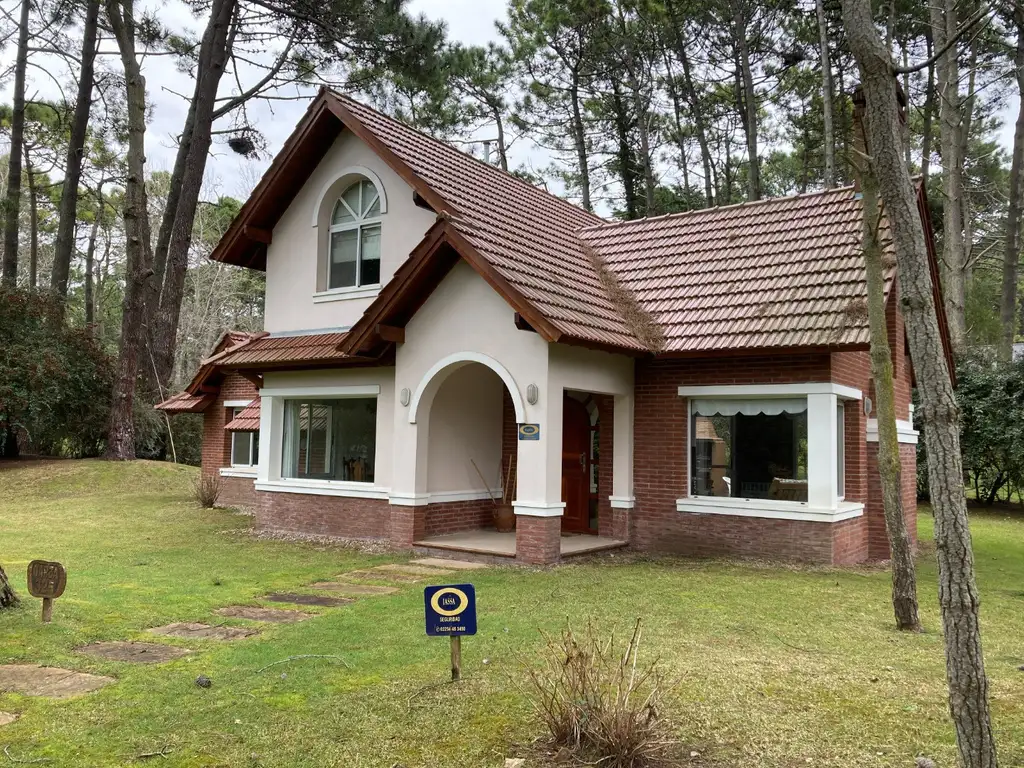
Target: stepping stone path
(353, 590)
(254, 613)
(53, 682)
(290, 597)
(190, 630)
(415, 570)
(6, 718)
(457, 565)
(139, 653)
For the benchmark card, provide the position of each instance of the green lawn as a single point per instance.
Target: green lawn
(777, 666)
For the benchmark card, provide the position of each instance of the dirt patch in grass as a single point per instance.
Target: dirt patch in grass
(290, 597)
(255, 613)
(353, 590)
(189, 630)
(6, 718)
(372, 574)
(52, 682)
(138, 653)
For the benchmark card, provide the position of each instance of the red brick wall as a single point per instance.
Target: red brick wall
(660, 463)
(849, 541)
(455, 516)
(217, 442)
(237, 492)
(509, 443)
(538, 539)
(324, 515)
(878, 539)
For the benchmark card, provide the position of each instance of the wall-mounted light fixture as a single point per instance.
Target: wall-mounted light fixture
(532, 394)
(405, 396)
(868, 405)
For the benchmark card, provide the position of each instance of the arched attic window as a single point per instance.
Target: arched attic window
(354, 238)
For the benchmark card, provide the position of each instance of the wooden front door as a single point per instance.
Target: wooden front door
(575, 466)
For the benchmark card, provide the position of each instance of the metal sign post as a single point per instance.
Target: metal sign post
(450, 611)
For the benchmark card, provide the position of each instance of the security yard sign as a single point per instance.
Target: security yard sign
(529, 431)
(450, 611)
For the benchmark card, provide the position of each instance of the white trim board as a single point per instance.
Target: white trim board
(441, 497)
(622, 502)
(539, 508)
(769, 509)
(772, 390)
(355, 390)
(347, 294)
(247, 472)
(324, 488)
(905, 432)
(237, 403)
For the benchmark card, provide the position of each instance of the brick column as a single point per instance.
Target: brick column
(538, 539)
(408, 524)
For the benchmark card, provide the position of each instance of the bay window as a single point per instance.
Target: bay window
(750, 449)
(330, 439)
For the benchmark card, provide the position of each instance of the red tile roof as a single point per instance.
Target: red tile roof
(278, 350)
(527, 234)
(246, 421)
(787, 272)
(183, 402)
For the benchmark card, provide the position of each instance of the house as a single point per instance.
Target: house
(440, 333)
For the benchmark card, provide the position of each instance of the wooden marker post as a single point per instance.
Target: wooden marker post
(450, 611)
(456, 658)
(46, 580)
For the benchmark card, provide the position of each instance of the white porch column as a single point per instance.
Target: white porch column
(822, 436)
(622, 453)
(539, 462)
(271, 439)
(409, 466)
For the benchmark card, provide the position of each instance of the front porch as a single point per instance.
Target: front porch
(495, 544)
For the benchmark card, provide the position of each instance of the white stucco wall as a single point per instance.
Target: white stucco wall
(465, 427)
(293, 258)
(277, 387)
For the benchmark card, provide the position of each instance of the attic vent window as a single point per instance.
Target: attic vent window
(355, 238)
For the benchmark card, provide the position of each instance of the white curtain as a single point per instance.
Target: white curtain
(730, 407)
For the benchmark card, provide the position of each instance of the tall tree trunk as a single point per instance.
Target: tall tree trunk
(624, 154)
(1011, 242)
(33, 222)
(826, 97)
(139, 267)
(748, 109)
(90, 260)
(7, 597)
(67, 209)
(928, 117)
(579, 138)
(502, 153)
(890, 470)
(944, 26)
(958, 593)
(12, 205)
(213, 55)
(693, 99)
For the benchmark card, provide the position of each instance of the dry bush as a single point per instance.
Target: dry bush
(598, 702)
(206, 490)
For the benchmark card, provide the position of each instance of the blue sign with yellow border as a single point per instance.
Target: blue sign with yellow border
(450, 610)
(529, 431)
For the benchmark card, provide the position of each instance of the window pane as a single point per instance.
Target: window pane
(757, 451)
(341, 214)
(255, 447)
(355, 430)
(841, 447)
(343, 258)
(370, 270)
(351, 197)
(240, 442)
(373, 210)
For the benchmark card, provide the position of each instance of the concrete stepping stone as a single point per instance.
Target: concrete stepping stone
(291, 597)
(190, 630)
(353, 590)
(138, 653)
(52, 682)
(6, 718)
(457, 565)
(255, 613)
(375, 575)
(415, 570)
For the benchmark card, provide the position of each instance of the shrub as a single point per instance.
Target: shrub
(599, 703)
(206, 490)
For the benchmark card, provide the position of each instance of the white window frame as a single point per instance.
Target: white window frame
(824, 504)
(253, 435)
(313, 394)
(358, 224)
